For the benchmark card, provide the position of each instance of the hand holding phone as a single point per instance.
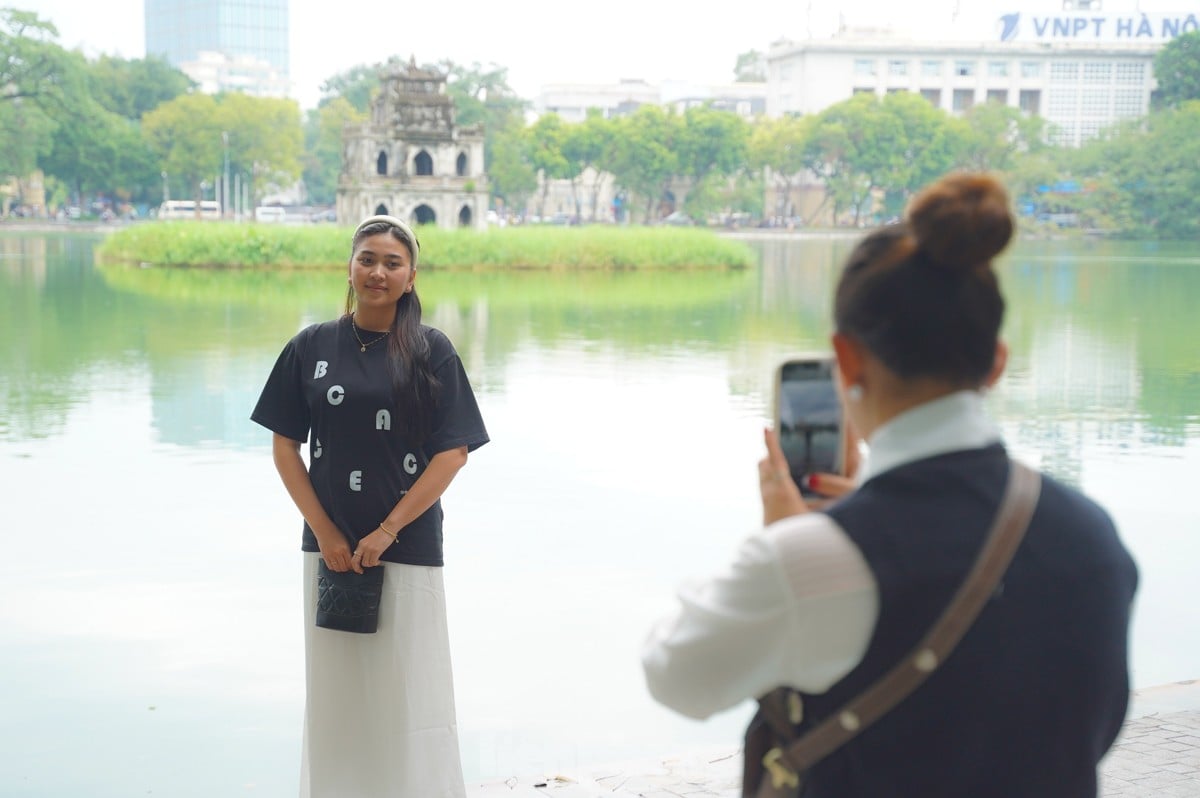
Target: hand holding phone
(808, 420)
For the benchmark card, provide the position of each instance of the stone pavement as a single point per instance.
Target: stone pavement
(1157, 754)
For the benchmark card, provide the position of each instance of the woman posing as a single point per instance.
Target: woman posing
(389, 416)
(826, 602)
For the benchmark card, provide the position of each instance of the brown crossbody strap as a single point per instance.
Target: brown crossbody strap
(1016, 508)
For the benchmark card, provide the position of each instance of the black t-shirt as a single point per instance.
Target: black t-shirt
(359, 463)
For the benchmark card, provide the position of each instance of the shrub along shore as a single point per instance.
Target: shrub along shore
(229, 245)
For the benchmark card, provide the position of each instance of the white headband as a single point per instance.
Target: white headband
(393, 221)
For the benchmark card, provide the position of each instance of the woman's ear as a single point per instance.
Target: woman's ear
(849, 360)
(999, 361)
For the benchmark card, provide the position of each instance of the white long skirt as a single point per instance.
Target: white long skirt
(379, 721)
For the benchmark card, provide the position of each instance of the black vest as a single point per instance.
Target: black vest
(1035, 693)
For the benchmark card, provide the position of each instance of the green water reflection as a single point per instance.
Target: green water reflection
(624, 410)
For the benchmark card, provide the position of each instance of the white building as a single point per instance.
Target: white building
(1081, 70)
(571, 101)
(215, 73)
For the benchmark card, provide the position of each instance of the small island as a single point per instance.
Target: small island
(276, 246)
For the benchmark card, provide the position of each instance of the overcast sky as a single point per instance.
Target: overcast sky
(554, 41)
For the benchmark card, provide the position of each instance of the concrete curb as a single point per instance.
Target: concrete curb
(1157, 754)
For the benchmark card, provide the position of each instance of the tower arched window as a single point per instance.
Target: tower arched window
(423, 163)
(381, 163)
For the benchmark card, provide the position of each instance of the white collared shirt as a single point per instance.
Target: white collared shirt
(799, 603)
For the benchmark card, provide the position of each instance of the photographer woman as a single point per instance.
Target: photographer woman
(389, 415)
(826, 602)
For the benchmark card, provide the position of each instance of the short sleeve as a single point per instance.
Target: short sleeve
(457, 420)
(281, 407)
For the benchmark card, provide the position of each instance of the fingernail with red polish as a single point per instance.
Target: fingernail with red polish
(812, 481)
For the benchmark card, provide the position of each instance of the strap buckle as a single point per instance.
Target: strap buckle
(781, 775)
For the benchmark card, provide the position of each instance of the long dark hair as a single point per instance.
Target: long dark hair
(415, 388)
(921, 294)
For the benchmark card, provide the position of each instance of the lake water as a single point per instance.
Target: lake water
(150, 619)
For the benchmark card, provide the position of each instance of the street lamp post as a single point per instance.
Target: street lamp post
(225, 179)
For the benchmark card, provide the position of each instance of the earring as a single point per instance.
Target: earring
(854, 393)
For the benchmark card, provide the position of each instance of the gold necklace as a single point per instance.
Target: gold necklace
(361, 346)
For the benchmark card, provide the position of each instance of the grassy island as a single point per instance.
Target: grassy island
(228, 245)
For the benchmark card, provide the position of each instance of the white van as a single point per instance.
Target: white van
(269, 214)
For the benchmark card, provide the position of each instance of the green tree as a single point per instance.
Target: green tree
(323, 147)
(751, 67)
(712, 142)
(357, 85)
(511, 176)
(1177, 70)
(546, 139)
(644, 154)
(585, 146)
(97, 151)
(929, 144)
(36, 77)
(185, 134)
(858, 148)
(1143, 177)
(999, 135)
(481, 94)
(777, 148)
(33, 67)
(266, 140)
(132, 87)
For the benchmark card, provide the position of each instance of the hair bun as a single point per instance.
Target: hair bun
(962, 221)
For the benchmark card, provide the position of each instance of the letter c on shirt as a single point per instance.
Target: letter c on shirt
(335, 394)
(410, 463)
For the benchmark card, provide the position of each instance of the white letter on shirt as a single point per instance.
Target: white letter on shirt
(336, 394)
(322, 369)
(356, 481)
(383, 420)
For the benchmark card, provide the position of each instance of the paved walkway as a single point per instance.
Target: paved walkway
(1157, 754)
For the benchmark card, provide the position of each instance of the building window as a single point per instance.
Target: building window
(1090, 129)
(964, 69)
(1031, 69)
(1064, 104)
(1129, 102)
(460, 166)
(998, 96)
(785, 71)
(1064, 72)
(1097, 72)
(381, 163)
(931, 69)
(1093, 103)
(423, 163)
(897, 68)
(997, 69)
(1063, 134)
(1131, 73)
(863, 90)
(962, 99)
(934, 96)
(864, 67)
(1030, 101)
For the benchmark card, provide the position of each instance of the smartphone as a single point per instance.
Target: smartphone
(808, 418)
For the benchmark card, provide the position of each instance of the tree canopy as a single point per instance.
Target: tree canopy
(1177, 70)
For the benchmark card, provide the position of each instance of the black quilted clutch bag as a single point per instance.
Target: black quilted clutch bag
(347, 601)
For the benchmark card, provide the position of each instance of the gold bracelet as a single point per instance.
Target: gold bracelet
(392, 535)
